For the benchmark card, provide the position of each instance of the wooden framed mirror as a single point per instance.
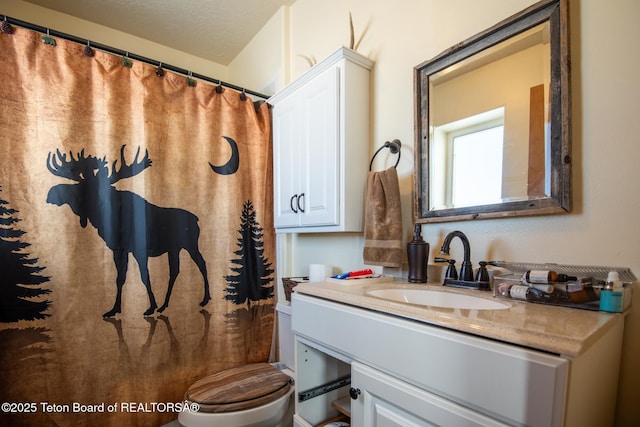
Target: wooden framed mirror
(493, 125)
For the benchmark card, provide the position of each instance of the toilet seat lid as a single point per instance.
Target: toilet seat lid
(239, 388)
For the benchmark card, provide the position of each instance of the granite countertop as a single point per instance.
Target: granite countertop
(560, 330)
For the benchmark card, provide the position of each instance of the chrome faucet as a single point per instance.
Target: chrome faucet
(466, 271)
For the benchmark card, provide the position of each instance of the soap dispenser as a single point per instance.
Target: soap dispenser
(418, 255)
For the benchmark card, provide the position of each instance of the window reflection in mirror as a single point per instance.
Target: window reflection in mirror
(466, 161)
(511, 80)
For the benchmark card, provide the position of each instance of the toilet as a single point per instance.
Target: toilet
(253, 395)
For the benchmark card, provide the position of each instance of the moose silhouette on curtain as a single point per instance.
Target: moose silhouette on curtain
(126, 222)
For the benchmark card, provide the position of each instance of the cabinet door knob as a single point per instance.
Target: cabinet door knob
(301, 208)
(292, 205)
(354, 393)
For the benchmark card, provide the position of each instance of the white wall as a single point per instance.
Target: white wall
(263, 65)
(602, 228)
(57, 21)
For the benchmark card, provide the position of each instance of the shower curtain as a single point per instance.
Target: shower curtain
(136, 235)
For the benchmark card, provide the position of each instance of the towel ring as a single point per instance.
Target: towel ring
(393, 146)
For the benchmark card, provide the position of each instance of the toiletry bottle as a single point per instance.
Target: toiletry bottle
(527, 293)
(418, 255)
(504, 289)
(519, 292)
(611, 296)
(546, 276)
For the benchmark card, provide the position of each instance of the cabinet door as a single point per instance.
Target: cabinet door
(306, 154)
(319, 150)
(385, 401)
(286, 156)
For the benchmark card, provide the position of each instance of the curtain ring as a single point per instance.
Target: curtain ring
(190, 81)
(159, 70)
(126, 62)
(219, 87)
(47, 39)
(6, 26)
(87, 50)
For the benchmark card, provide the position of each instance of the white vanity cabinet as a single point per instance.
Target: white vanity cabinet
(408, 373)
(321, 146)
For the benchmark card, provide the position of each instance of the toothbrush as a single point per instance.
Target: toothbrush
(354, 274)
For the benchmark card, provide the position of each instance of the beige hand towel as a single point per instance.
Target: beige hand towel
(383, 220)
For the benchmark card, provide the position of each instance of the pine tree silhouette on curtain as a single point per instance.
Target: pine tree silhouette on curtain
(19, 276)
(253, 271)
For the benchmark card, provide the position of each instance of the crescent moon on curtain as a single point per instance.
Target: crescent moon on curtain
(231, 166)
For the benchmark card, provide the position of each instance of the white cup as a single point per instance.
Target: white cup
(318, 272)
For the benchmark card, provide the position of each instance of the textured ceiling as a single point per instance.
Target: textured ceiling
(216, 30)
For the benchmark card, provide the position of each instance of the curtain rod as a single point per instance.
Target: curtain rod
(129, 55)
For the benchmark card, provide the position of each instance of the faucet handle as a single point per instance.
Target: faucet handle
(483, 275)
(452, 272)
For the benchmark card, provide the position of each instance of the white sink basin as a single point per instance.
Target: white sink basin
(431, 298)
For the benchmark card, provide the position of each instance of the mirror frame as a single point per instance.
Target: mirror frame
(559, 201)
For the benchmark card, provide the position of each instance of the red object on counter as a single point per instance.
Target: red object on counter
(365, 272)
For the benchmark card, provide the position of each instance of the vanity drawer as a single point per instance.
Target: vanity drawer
(507, 382)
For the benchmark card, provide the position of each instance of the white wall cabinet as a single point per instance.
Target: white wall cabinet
(407, 373)
(321, 146)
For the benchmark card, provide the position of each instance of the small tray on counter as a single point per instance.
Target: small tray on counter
(358, 281)
(587, 298)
